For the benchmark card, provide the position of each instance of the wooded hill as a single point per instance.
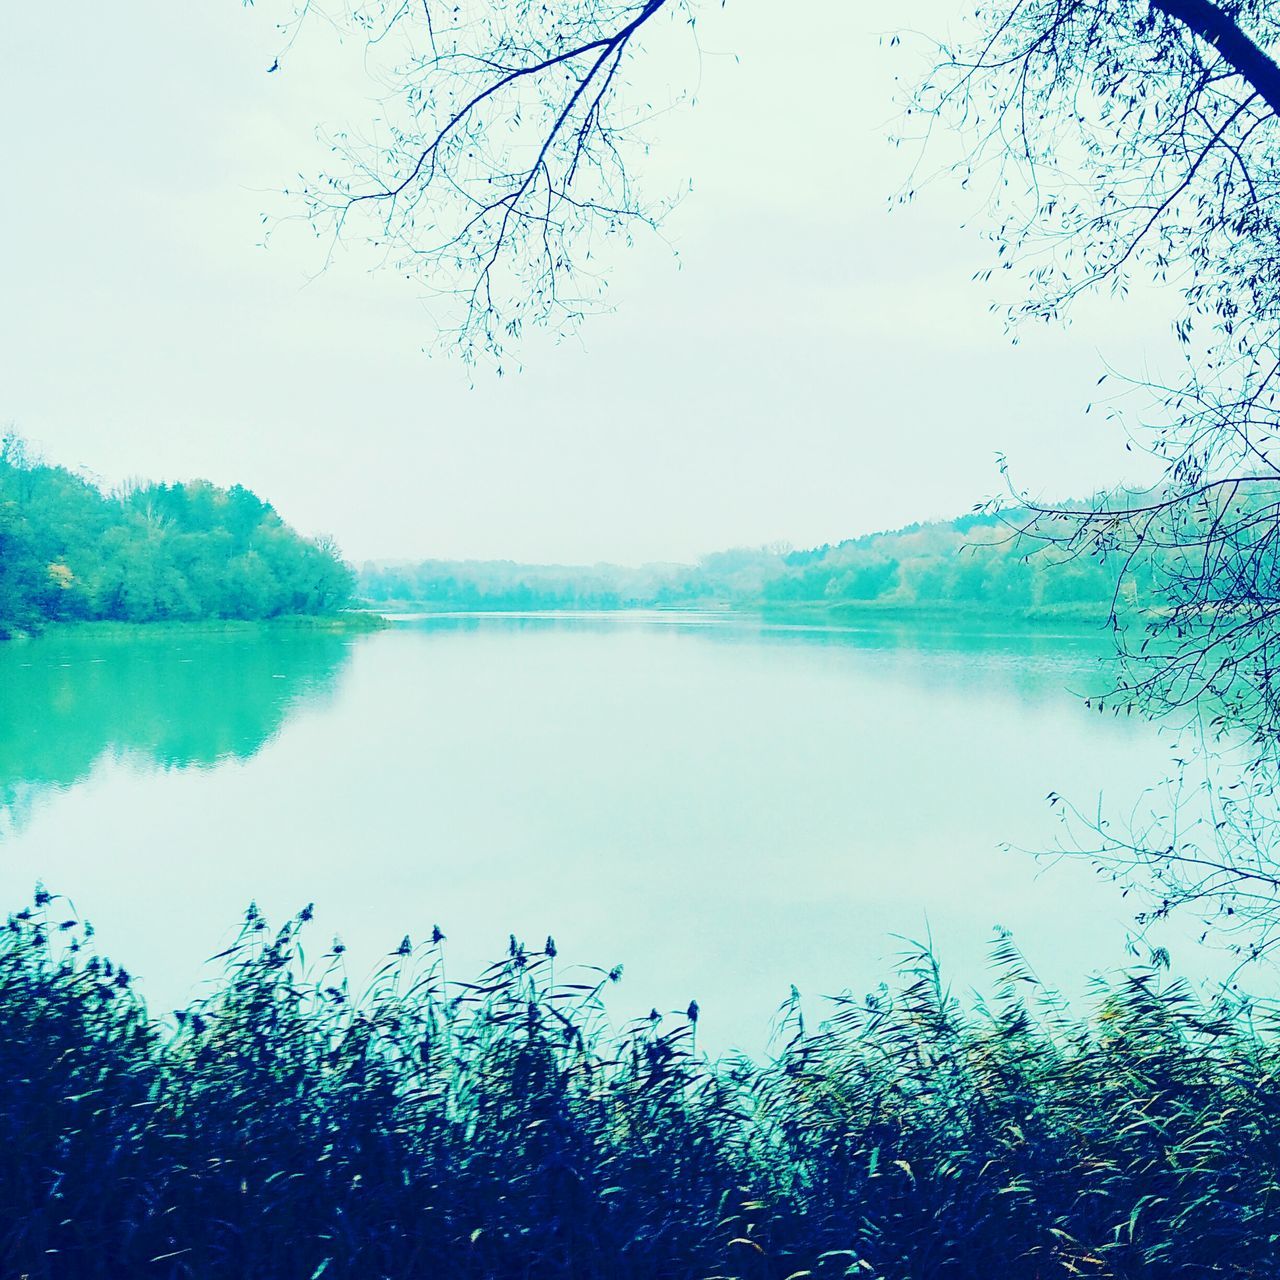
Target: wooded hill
(69, 551)
(972, 563)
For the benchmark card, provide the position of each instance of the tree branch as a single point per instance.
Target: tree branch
(1215, 27)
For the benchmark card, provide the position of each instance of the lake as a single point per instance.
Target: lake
(724, 806)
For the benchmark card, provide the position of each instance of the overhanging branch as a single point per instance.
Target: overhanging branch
(1217, 28)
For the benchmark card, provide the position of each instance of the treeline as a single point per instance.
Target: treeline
(71, 552)
(288, 1128)
(507, 585)
(975, 562)
(971, 563)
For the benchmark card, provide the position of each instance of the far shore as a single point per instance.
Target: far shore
(819, 612)
(370, 618)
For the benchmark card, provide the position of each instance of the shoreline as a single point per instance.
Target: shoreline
(844, 613)
(367, 619)
(352, 622)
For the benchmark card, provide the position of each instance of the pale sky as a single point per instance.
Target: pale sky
(811, 366)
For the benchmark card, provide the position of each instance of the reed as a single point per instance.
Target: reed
(288, 1126)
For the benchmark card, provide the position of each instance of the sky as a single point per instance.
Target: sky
(793, 360)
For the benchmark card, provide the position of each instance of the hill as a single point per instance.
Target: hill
(69, 552)
(971, 563)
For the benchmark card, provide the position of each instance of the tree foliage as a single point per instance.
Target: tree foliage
(70, 552)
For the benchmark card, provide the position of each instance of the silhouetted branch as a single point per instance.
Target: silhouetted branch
(1216, 26)
(508, 153)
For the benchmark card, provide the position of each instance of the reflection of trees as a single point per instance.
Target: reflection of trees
(1000, 656)
(175, 700)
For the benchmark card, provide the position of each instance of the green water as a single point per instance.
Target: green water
(725, 807)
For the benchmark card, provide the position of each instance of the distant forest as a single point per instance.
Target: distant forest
(189, 552)
(973, 563)
(150, 552)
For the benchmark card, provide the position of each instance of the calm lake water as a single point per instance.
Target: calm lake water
(725, 807)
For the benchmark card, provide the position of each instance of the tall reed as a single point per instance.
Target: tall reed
(289, 1127)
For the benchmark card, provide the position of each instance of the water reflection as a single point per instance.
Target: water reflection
(173, 700)
(726, 806)
(1037, 662)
